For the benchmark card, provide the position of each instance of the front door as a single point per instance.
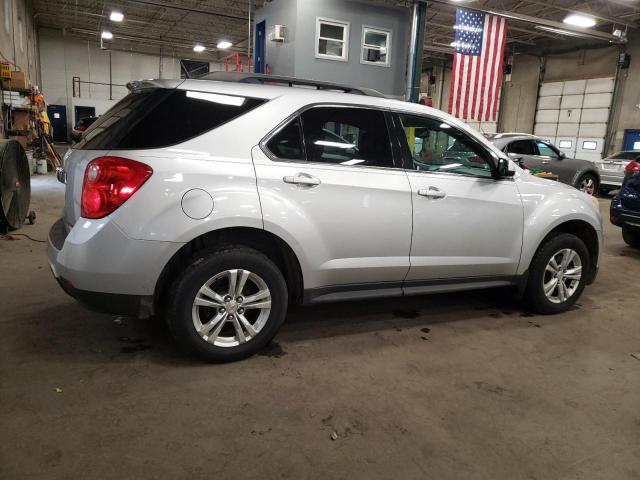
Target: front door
(338, 197)
(467, 225)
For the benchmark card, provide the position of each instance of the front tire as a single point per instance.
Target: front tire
(558, 274)
(227, 304)
(588, 183)
(631, 235)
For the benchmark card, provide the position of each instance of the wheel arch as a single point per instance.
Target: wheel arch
(261, 240)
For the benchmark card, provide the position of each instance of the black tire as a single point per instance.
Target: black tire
(604, 191)
(631, 235)
(203, 267)
(584, 178)
(534, 293)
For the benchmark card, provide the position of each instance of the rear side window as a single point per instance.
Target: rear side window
(162, 117)
(347, 136)
(287, 144)
(522, 147)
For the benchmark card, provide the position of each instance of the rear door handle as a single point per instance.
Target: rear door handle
(302, 179)
(431, 192)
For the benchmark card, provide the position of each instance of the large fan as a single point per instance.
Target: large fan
(15, 185)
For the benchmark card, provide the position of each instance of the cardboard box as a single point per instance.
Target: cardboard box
(21, 120)
(23, 139)
(5, 70)
(18, 81)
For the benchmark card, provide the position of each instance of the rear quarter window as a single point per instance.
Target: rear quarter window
(162, 117)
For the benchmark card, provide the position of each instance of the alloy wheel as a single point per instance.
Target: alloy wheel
(231, 308)
(562, 275)
(588, 185)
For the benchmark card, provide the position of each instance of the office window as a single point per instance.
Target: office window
(376, 44)
(332, 39)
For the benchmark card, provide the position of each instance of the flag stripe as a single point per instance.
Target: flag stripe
(478, 61)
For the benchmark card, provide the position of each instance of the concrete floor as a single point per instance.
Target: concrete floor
(464, 386)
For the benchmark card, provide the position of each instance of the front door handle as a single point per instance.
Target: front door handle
(432, 192)
(302, 179)
(546, 161)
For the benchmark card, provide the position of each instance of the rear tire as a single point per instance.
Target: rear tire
(588, 183)
(631, 235)
(227, 304)
(550, 290)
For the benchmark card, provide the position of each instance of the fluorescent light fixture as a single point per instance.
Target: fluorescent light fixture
(326, 143)
(116, 16)
(217, 98)
(578, 20)
(560, 31)
(198, 48)
(222, 44)
(106, 35)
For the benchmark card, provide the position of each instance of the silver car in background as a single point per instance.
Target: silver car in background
(612, 169)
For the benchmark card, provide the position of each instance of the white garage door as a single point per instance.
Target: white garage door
(574, 115)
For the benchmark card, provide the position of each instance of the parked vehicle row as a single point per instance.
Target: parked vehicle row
(267, 195)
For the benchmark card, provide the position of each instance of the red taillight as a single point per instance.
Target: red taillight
(109, 182)
(81, 128)
(633, 167)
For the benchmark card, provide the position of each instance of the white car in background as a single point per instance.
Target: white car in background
(612, 169)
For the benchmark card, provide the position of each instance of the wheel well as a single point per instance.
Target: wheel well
(265, 242)
(585, 232)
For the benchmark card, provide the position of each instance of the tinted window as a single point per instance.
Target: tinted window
(546, 150)
(287, 144)
(625, 156)
(347, 136)
(437, 147)
(523, 147)
(162, 117)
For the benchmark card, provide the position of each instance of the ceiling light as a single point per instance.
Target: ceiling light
(579, 20)
(224, 44)
(198, 48)
(116, 16)
(560, 31)
(106, 35)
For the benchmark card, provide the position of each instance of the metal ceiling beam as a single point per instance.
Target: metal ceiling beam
(558, 26)
(189, 9)
(589, 14)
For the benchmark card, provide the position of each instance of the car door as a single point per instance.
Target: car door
(526, 151)
(552, 161)
(337, 198)
(467, 225)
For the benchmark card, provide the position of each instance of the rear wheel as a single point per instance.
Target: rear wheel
(558, 274)
(631, 235)
(228, 304)
(588, 183)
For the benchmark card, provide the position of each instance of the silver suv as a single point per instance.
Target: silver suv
(216, 204)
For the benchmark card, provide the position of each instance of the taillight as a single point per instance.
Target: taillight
(109, 182)
(633, 167)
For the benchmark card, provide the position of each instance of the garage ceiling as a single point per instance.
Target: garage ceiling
(174, 27)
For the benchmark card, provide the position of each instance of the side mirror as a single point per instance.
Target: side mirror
(504, 168)
(562, 155)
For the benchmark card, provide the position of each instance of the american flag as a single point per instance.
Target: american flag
(477, 65)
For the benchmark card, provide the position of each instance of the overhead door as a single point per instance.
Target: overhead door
(574, 115)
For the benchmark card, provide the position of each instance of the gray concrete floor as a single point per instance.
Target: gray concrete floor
(464, 386)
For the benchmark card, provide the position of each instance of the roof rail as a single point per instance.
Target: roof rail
(260, 78)
(514, 134)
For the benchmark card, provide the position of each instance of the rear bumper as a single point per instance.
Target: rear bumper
(609, 180)
(96, 263)
(618, 215)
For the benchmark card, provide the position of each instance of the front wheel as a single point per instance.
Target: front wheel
(631, 235)
(558, 274)
(228, 304)
(588, 183)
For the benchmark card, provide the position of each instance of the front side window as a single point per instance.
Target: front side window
(332, 39)
(159, 117)
(346, 136)
(435, 146)
(376, 43)
(522, 147)
(546, 150)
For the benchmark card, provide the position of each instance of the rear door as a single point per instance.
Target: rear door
(339, 196)
(527, 151)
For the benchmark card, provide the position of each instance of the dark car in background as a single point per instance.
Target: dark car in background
(625, 206)
(80, 127)
(536, 153)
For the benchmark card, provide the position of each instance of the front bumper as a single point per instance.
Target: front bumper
(96, 263)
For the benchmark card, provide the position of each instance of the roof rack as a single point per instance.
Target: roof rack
(514, 134)
(259, 78)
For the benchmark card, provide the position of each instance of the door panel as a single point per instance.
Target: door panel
(353, 227)
(58, 117)
(474, 231)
